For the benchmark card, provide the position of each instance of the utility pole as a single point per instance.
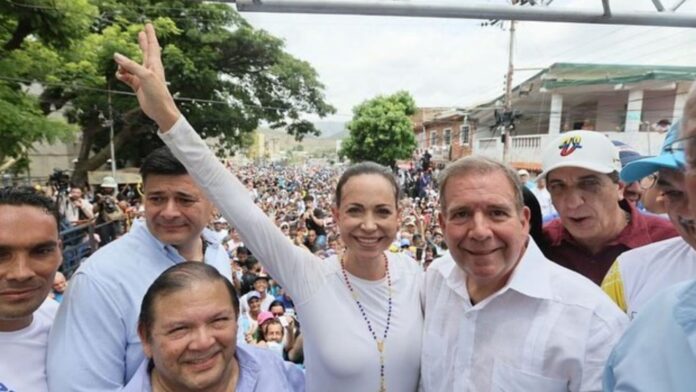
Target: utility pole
(505, 126)
(111, 136)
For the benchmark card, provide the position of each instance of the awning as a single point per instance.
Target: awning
(529, 166)
(129, 175)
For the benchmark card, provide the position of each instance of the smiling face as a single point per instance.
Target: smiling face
(192, 348)
(274, 332)
(587, 202)
(633, 193)
(176, 210)
(367, 216)
(29, 257)
(485, 230)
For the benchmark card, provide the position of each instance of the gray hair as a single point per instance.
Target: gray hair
(480, 165)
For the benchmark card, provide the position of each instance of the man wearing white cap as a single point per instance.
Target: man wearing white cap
(109, 214)
(637, 275)
(220, 228)
(595, 223)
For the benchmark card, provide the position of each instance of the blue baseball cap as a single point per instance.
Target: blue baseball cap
(640, 168)
(627, 154)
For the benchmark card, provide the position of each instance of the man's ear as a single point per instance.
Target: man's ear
(60, 247)
(525, 217)
(441, 219)
(621, 187)
(145, 340)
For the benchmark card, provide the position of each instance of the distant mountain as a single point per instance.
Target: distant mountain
(332, 129)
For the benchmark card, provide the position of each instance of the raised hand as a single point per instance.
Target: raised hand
(148, 81)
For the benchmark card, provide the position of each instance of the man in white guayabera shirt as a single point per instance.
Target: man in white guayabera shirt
(499, 316)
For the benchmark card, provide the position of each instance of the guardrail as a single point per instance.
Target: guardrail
(79, 242)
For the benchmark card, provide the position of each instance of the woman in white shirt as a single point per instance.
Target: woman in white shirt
(361, 309)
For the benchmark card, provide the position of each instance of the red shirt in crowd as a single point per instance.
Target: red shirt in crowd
(643, 229)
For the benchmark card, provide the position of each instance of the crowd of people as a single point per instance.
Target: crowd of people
(276, 278)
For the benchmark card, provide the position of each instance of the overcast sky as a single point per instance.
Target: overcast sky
(457, 62)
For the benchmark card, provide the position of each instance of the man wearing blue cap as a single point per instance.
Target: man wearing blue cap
(658, 351)
(638, 274)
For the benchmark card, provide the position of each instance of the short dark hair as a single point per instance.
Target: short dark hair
(177, 278)
(276, 303)
(366, 167)
(28, 196)
(161, 162)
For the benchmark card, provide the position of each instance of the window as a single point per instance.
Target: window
(464, 135)
(447, 140)
(433, 138)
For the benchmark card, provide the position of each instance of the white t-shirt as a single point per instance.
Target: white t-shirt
(651, 268)
(340, 352)
(23, 353)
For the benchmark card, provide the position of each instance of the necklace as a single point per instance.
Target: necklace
(380, 343)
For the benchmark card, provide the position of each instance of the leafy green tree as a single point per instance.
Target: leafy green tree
(227, 77)
(32, 35)
(381, 130)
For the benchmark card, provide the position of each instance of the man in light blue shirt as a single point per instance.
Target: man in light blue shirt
(94, 344)
(194, 348)
(658, 351)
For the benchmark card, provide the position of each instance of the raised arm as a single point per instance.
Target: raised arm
(293, 267)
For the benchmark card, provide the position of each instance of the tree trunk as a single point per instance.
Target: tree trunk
(22, 31)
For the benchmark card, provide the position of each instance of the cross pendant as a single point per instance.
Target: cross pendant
(380, 346)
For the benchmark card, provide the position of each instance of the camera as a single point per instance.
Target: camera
(60, 180)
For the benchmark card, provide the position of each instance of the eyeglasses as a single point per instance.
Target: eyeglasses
(648, 181)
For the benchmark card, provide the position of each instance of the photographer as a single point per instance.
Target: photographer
(109, 216)
(75, 208)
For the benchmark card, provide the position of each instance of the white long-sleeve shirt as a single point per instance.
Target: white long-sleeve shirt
(549, 329)
(340, 353)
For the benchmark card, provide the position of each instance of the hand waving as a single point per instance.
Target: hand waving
(148, 81)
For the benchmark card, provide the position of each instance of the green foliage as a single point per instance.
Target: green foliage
(381, 130)
(32, 33)
(22, 123)
(227, 76)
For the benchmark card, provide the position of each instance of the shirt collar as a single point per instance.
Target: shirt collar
(531, 276)
(140, 228)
